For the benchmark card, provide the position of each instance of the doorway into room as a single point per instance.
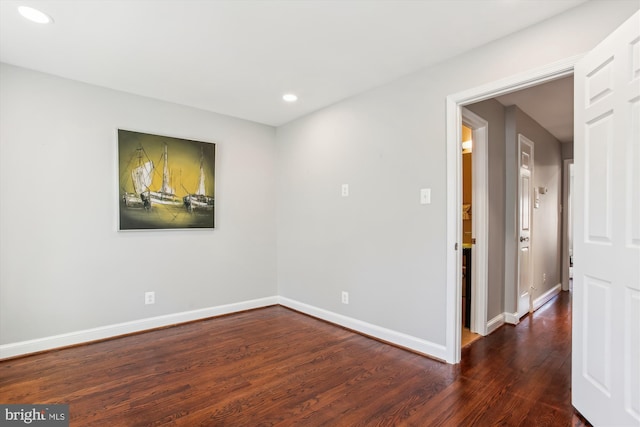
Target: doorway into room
(473, 225)
(604, 318)
(508, 314)
(499, 112)
(467, 234)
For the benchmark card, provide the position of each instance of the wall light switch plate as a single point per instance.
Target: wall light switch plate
(425, 196)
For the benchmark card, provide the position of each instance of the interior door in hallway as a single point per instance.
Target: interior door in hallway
(525, 186)
(606, 289)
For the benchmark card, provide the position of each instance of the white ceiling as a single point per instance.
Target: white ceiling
(239, 57)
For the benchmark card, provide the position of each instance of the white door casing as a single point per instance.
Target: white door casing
(525, 216)
(479, 219)
(606, 289)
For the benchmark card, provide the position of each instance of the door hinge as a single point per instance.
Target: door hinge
(456, 248)
(473, 240)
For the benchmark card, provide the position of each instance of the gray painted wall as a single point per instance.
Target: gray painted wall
(567, 150)
(380, 244)
(64, 267)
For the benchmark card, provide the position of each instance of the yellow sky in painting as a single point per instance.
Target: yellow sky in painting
(184, 161)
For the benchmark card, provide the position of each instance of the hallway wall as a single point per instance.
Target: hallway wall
(546, 236)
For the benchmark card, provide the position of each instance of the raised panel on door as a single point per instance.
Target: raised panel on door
(632, 353)
(598, 147)
(633, 190)
(596, 357)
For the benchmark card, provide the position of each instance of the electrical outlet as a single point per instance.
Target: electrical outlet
(345, 190)
(149, 297)
(544, 277)
(345, 297)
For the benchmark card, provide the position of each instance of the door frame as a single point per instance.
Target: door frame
(479, 218)
(567, 223)
(454, 104)
(523, 140)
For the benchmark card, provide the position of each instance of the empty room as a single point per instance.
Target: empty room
(267, 212)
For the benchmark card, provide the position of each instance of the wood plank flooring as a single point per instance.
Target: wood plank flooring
(276, 367)
(467, 337)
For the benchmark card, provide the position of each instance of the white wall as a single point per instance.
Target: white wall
(380, 244)
(64, 266)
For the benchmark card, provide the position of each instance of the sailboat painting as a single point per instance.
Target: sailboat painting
(165, 182)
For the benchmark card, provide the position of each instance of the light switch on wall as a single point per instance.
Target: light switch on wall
(425, 196)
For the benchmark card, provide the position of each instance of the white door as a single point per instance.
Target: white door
(606, 291)
(525, 185)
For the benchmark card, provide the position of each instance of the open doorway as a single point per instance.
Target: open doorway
(473, 226)
(501, 302)
(525, 198)
(604, 314)
(467, 235)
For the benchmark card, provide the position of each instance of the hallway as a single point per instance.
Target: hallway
(524, 372)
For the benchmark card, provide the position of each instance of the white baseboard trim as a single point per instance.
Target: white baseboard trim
(544, 298)
(495, 323)
(514, 319)
(398, 338)
(110, 331)
(511, 318)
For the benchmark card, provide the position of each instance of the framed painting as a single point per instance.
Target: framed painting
(165, 182)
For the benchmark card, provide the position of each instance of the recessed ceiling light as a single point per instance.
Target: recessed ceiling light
(290, 97)
(34, 15)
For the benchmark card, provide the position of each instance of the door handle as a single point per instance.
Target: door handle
(524, 239)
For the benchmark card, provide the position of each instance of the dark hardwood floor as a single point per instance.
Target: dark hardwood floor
(274, 366)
